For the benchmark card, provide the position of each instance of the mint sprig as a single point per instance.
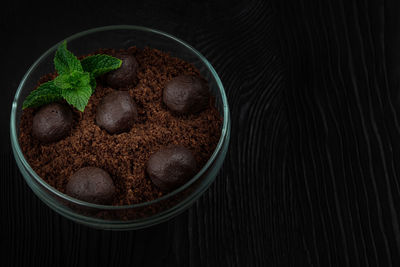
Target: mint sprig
(76, 79)
(45, 93)
(100, 64)
(65, 62)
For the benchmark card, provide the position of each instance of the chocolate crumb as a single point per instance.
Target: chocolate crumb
(124, 155)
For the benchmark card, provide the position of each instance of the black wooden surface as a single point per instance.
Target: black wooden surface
(312, 174)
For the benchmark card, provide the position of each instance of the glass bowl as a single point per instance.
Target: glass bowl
(141, 215)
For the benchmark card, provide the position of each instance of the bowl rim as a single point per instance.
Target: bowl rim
(25, 164)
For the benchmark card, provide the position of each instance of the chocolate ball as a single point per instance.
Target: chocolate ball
(52, 122)
(186, 94)
(171, 167)
(91, 184)
(124, 75)
(116, 112)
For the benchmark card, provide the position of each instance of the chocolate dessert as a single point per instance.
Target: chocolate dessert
(147, 128)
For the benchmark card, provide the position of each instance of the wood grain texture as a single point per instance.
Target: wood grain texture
(311, 177)
(344, 130)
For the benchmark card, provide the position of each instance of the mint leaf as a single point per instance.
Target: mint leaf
(75, 88)
(65, 62)
(44, 94)
(74, 79)
(93, 83)
(77, 97)
(75, 82)
(99, 64)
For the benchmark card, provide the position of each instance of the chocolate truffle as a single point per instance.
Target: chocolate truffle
(52, 122)
(124, 75)
(116, 112)
(171, 167)
(186, 94)
(91, 184)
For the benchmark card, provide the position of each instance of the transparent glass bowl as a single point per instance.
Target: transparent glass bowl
(130, 216)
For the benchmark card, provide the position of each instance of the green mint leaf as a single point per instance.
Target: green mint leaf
(65, 62)
(77, 97)
(99, 64)
(73, 83)
(74, 79)
(76, 88)
(44, 94)
(93, 83)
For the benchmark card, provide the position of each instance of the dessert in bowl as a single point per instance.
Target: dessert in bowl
(149, 141)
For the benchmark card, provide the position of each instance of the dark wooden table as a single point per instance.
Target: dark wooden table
(312, 177)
